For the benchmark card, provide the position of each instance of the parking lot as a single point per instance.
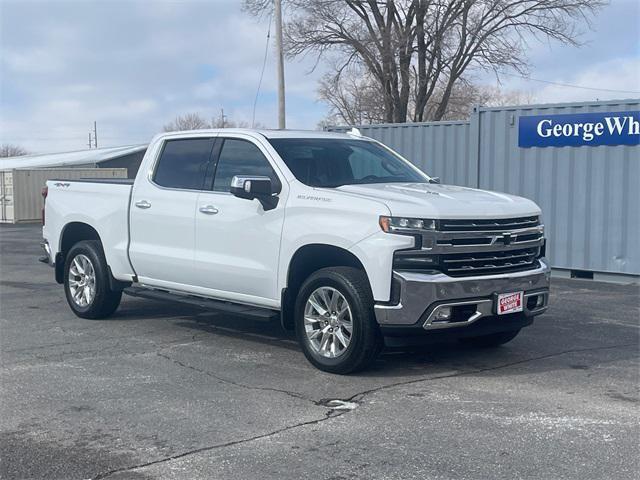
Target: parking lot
(170, 391)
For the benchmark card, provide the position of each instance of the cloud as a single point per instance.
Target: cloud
(622, 74)
(133, 68)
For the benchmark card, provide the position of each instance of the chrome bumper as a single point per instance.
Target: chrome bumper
(422, 295)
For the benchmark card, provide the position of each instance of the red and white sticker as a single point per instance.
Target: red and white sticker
(510, 302)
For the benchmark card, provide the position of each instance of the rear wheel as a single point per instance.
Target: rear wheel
(335, 322)
(86, 282)
(491, 340)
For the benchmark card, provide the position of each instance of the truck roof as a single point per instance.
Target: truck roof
(270, 133)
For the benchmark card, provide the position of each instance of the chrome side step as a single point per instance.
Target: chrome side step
(255, 313)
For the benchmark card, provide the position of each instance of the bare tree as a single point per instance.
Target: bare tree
(189, 121)
(8, 150)
(194, 121)
(465, 95)
(218, 122)
(354, 99)
(496, 97)
(418, 51)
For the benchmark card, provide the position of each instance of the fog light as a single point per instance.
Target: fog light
(539, 301)
(442, 314)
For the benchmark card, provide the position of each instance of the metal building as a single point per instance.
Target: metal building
(21, 190)
(128, 157)
(579, 161)
(22, 178)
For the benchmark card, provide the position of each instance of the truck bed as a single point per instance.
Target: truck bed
(103, 204)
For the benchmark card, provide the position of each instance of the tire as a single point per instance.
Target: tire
(89, 296)
(492, 340)
(346, 286)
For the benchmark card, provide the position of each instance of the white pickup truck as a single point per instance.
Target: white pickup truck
(343, 239)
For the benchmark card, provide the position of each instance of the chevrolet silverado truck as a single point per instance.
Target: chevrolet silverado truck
(341, 238)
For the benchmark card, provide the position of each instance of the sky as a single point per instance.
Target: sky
(133, 65)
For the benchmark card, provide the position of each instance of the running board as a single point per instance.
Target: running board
(255, 313)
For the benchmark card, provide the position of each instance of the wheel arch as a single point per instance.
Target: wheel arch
(72, 233)
(306, 260)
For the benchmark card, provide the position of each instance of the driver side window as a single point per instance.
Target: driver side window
(241, 157)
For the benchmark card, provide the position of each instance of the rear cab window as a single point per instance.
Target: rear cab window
(183, 163)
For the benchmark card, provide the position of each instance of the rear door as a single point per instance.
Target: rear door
(237, 241)
(163, 206)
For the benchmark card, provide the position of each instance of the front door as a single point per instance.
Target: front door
(237, 241)
(163, 210)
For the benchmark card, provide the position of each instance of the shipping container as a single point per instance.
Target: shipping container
(21, 189)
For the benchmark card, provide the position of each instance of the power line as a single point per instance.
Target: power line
(569, 85)
(264, 64)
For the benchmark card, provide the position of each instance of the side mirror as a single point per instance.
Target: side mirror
(250, 188)
(434, 180)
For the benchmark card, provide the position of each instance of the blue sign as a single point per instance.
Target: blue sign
(579, 129)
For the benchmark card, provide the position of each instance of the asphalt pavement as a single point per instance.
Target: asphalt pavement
(169, 391)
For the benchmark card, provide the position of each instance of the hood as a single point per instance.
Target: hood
(429, 200)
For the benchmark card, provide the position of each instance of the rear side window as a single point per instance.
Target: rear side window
(183, 163)
(240, 157)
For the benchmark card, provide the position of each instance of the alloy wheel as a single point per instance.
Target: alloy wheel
(328, 322)
(82, 281)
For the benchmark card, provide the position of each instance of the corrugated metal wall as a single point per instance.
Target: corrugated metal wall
(444, 149)
(23, 202)
(590, 196)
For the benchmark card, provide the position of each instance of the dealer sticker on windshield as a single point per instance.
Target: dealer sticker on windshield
(510, 303)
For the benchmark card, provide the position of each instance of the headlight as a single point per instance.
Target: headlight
(406, 225)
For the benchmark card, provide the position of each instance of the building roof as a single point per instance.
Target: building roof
(69, 159)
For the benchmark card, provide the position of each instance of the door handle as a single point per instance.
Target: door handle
(143, 204)
(209, 210)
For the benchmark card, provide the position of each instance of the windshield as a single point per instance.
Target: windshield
(330, 162)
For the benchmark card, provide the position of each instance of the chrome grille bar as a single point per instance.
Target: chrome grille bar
(479, 263)
(488, 225)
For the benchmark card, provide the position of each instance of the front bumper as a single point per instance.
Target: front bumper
(422, 295)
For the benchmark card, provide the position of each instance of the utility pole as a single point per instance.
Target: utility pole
(95, 133)
(222, 117)
(280, 66)
(89, 140)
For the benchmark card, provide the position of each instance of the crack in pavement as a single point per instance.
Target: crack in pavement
(295, 395)
(327, 416)
(357, 398)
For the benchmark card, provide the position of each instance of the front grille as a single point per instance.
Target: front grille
(465, 248)
(489, 263)
(499, 224)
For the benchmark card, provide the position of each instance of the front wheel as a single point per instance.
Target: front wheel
(335, 322)
(86, 282)
(491, 340)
